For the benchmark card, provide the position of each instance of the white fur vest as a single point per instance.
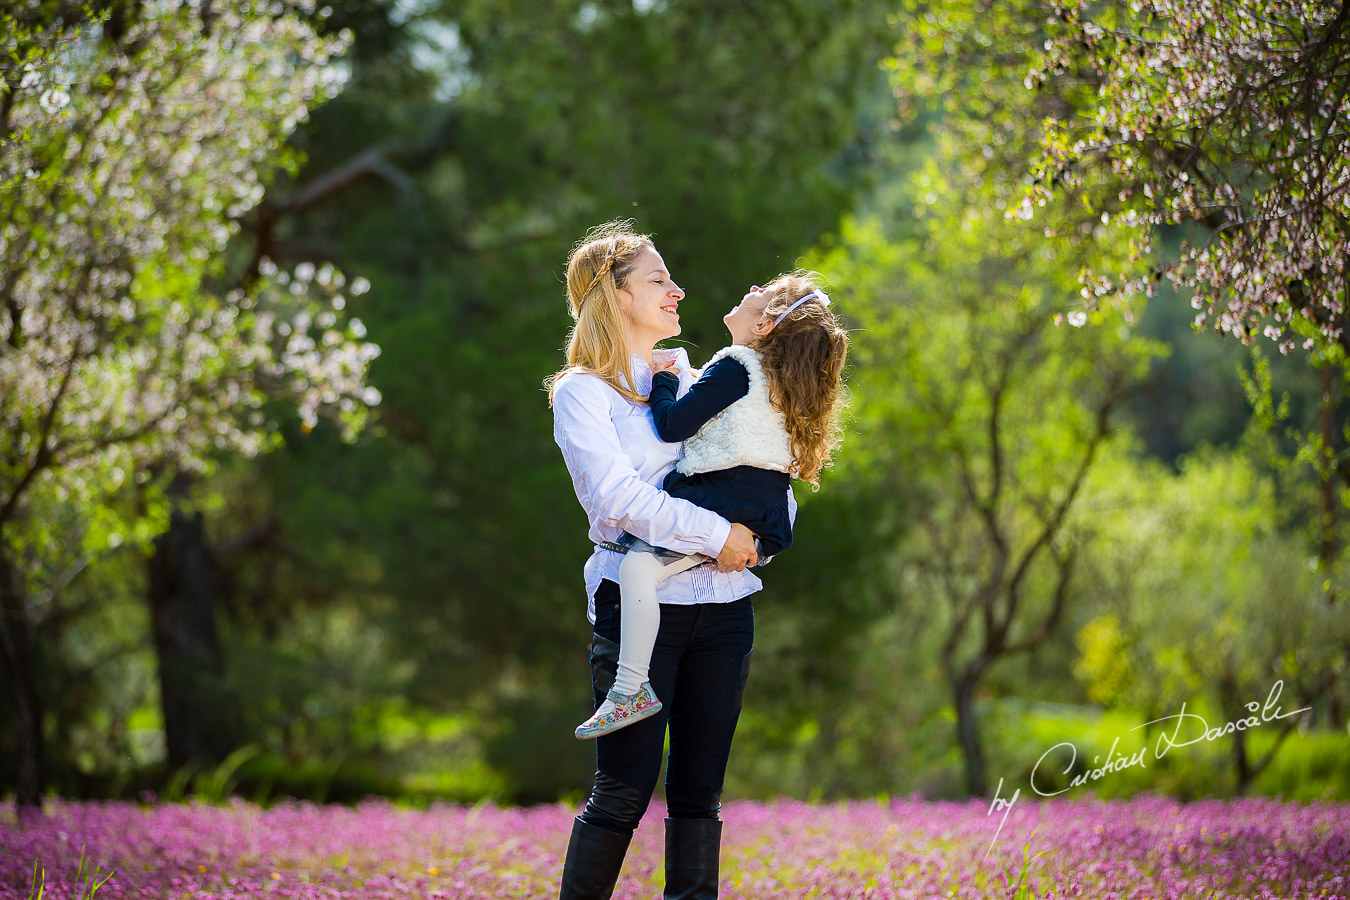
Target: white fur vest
(749, 432)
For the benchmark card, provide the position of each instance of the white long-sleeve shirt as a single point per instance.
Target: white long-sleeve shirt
(617, 463)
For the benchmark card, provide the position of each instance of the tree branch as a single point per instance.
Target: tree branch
(1051, 527)
(1047, 626)
(265, 219)
(42, 455)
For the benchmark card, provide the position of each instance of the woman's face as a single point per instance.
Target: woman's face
(650, 301)
(747, 320)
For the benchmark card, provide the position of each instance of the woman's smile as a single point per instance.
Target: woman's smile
(651, 301)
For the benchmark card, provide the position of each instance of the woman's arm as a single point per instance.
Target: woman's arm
(720, 385)
(608, 484)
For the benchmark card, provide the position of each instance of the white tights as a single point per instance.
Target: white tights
(640, 574)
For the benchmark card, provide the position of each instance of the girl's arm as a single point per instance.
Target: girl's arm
(720, 385)
(608, 484)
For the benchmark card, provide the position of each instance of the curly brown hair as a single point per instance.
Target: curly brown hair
(803, 357)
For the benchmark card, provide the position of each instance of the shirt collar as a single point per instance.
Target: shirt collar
(660, 354)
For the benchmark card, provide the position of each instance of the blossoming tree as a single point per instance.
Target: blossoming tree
(1205, 140)
(1229, 122)
(1228, 116)
(128, 350)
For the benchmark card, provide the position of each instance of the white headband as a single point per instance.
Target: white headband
(823, 297)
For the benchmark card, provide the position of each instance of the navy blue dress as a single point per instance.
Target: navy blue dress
(755, 497)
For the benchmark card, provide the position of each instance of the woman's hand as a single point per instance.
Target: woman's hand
(739, 550)
(670, 365)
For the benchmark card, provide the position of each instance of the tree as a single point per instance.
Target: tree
(1206, 599)
(992, 416)
(1227, 123)
(127, 353)
(1227, 117)
(1159, 121)
(451, 528)
(1015, 422)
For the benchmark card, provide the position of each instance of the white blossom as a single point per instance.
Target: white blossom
(118, 352)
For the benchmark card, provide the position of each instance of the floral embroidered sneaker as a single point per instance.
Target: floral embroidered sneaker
(619, 710)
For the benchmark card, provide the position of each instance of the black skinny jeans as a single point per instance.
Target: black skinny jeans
(698, 671)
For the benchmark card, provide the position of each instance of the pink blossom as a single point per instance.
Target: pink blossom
(1144, 847)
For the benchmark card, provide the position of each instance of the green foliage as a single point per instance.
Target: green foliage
(219, 783)
(134, 141)
(1210, 534)
(973, 415)
(264, 777)
(1209, 596)
(451, 526)
(967, 64)
(411, 622)
(1310, 765)
(963, 343)
(1021, 890)
(88, 879)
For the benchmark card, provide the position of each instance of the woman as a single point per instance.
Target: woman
(624, 301)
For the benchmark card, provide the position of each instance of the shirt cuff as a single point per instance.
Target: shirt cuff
(720, 535)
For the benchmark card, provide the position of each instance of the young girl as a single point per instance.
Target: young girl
(764, 409)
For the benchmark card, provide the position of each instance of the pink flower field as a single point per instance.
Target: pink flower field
(1147, 847)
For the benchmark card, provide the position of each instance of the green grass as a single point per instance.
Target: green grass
(1312, 765)
(88, 879)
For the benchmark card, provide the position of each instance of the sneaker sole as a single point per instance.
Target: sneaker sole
(589, 734)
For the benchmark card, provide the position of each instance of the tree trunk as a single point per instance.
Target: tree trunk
(1242, 764)
(1331, 502)
(185, 585)
(16, 654)
(1243, 772)
(967, 732)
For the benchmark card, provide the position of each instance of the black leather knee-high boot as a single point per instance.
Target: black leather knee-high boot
(693, 849)
(594, 857)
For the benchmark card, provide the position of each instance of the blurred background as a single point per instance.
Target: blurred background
(1051, 520)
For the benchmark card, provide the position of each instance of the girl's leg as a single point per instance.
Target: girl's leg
(628, 761)
(640, 574)
(632, 698)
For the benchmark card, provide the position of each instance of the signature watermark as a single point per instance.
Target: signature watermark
(1190, 728)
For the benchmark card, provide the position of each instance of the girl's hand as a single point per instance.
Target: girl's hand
(669, 365)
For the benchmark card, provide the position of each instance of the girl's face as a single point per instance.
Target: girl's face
(747, 321)
(650, 303)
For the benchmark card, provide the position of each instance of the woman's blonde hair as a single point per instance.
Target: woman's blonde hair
(597, 269)
(803, 358)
